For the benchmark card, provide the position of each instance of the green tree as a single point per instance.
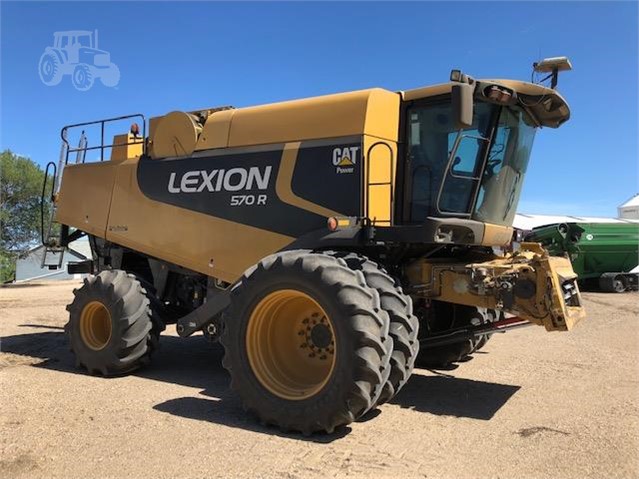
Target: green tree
(20, 190)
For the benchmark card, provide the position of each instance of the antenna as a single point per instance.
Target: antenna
(552, 66)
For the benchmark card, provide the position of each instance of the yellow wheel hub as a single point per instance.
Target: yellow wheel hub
(290, 344)
(95, 325)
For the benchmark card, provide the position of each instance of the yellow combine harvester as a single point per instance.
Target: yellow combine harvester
(321, 240)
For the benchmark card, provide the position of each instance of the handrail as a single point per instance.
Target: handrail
(44, 187)
(102, 147)
(368, 173)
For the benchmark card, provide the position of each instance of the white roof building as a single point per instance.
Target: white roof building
(630, 209)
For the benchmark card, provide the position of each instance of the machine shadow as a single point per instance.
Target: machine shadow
(445, 395)
(193, 362)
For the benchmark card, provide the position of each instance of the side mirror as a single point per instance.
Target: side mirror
(462, 103)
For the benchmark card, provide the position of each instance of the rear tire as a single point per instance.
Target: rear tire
(612, 283)
(314, 308)
(404, 325)
(112, 329)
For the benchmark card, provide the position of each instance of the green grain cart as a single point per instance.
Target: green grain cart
(601, 253)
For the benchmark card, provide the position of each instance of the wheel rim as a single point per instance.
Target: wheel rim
(95, 325)
(290, 343)
(618, 286)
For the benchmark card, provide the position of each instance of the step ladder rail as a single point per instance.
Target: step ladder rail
(50, 242)
(53, 242)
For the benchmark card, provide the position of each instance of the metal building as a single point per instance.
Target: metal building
(29, 265)
(629, 209)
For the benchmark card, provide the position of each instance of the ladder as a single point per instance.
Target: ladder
(53, 253)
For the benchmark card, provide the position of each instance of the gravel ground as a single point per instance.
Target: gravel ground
(533, 405)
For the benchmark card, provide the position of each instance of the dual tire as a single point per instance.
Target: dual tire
(309, 341)
(403, 327)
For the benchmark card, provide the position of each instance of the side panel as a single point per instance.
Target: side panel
(203, 243)
(289, 189)
(325, 173)
(220, 212)
(85, 196)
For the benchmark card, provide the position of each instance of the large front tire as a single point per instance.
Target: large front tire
(306, 342)
(112, 329)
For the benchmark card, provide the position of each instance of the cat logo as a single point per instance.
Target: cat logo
(345, 159)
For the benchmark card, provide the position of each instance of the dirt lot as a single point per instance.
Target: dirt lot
(534, 405)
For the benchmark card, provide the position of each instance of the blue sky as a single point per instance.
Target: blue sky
(184, 56)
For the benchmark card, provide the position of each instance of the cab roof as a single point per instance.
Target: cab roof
(544, 104)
